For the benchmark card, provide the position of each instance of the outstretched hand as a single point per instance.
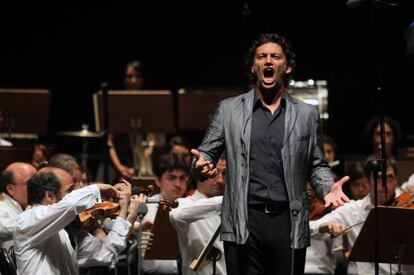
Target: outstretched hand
(336, 197)
(204, 166)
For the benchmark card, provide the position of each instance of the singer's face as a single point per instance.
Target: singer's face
(392, 182)
(173, 184)
(269, 66)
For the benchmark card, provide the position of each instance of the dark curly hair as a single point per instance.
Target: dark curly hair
(272, 38)
(39, 184)
(169, 162)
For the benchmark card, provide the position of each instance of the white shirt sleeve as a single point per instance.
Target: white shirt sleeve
(43, 221)
(7, 226)
(189, 211)
(95, 252)
(342, 215)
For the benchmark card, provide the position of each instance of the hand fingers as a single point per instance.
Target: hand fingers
(343, 180)
(345, 198)
(195, 153)
(142, 198)
(212, 173)
(120, 186)
(114, 192)
(204, 164)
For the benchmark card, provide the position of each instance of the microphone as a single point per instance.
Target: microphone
(295, 207)
(142, 211)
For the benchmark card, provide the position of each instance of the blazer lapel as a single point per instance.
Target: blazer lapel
(247, 121)
(290, 116)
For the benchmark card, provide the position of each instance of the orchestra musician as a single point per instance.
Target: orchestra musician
(41, 244)
(171, 176)
(196, 219)
(348, 219)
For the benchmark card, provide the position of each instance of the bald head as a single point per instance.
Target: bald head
(14, 181)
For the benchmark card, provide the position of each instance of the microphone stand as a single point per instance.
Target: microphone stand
(382, 161)
(139, 220)
(214, 255)
(105, 151)
(295, 207)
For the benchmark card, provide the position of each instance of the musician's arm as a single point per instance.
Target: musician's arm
(43, 221)
(341, 215)
(189, 210)
(97, 252)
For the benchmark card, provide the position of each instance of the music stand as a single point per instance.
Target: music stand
(165, 243)
(395, 233)
(24, 111)
(209, 253)
(140, 111)
(196, 106)
(134, 112)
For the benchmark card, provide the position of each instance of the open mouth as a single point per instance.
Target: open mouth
(268, 75)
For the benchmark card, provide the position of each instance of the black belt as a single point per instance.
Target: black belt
(270, 207)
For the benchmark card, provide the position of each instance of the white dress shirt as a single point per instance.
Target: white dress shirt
(95, 252)
(157, 266)
(196, 219)
(9, 211)
(349, 214)
(41, 244)
(319, 256)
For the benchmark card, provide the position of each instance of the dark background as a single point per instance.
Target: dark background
(70, 48)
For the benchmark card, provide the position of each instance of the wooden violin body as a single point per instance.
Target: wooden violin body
(97, 213)
(405, 200)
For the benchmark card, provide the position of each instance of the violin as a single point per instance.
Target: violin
(316, 205)
(93, 217)
(405, 200)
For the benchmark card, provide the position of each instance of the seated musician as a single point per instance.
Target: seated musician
(196, 219)
(355, 213)
(42, 246)
(96, 238)
(13, 198)
(172, 173)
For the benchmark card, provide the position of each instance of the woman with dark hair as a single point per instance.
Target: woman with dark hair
(393, 137)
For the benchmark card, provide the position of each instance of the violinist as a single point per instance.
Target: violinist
(358, 185)
(348, 219)
(319, 256)
(93, 238)
(196, 219)
(42, 246)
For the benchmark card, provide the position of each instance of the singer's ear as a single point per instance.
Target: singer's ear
(252, 70)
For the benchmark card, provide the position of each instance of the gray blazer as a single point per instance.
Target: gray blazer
(302, 153)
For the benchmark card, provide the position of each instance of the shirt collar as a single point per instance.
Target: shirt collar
(11, 201)
(258, 103)
(198, 195)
